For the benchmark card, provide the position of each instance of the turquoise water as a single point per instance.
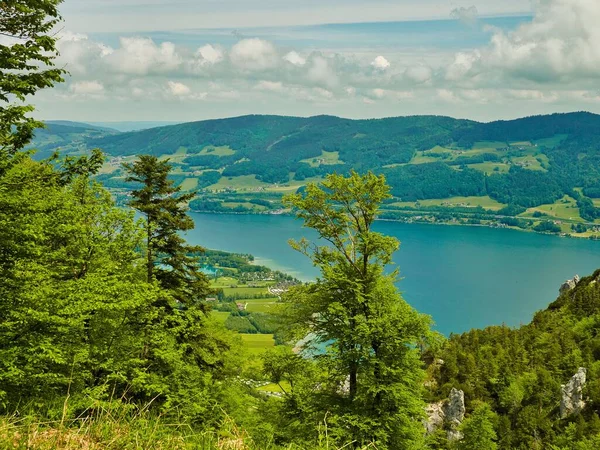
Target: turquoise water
(464, 277)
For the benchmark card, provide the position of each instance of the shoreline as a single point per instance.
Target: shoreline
(425, 222)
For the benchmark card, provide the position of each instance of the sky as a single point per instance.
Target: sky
(186, 60)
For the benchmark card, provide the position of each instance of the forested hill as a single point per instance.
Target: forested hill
(519, 373)
(523, 163)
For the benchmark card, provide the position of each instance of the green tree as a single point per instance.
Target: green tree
(169, 259)
(367, 334)
(26, 65)
(478, 430)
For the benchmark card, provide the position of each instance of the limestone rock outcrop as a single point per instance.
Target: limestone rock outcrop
(455, 413)
(572, 394)
(569, 284)
(448, 414)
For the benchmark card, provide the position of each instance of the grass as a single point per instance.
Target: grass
(472, 202)
(217, 151)
(326, 159)
(243, 291)
(531, 162)
(261, 306)
(563, 209)
(247, 205)
(490, 167)
(224, 282)
(244, 182)
(422, 158)
(257, 344)
(189, 184)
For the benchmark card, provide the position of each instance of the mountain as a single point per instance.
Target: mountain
(85, 126)
(530, 168)
(133, 126)
(66, 136)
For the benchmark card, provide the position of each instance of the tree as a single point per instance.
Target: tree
(478, 430)
(353, 316)
(26, 65)
(169, 259)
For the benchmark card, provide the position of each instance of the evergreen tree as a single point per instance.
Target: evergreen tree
(373, 376)
(169, 259)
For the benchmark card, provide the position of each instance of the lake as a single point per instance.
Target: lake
(464, 277)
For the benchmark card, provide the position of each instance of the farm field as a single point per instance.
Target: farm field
(257, 344)
(472, 202)
(217, 151)
(563, 209)
(326, 159)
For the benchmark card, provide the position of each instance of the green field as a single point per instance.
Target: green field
(565, 209)
(326, 159)
(217, 151)
(257, 344)
(245, 291)
(261, 306)
(490, 167)
(469, 202)
(244, 182)
(189, 184)
(531, 162)
(247, 205)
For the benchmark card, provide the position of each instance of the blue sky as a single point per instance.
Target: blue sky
(183, 60)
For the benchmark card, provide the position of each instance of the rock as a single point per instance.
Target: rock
(455, 413)
(448, 414)
(435, 417)
(454, 435)
(569, 284)
(572, 394)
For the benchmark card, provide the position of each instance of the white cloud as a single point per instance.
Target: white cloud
(141, 56)
(87, 88)
(254, 55)
(378, 93)
(561, 43)
(380, 63)
(294, 58)
(321, 73)
(271, 86)
(178, 89)
(419, 74)
(210, 54)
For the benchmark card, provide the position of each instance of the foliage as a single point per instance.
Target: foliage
(26, 65)
(168, 257)
(354, 311)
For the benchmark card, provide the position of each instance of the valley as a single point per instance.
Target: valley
(537, 173)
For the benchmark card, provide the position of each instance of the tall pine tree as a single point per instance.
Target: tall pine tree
(169, 258)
